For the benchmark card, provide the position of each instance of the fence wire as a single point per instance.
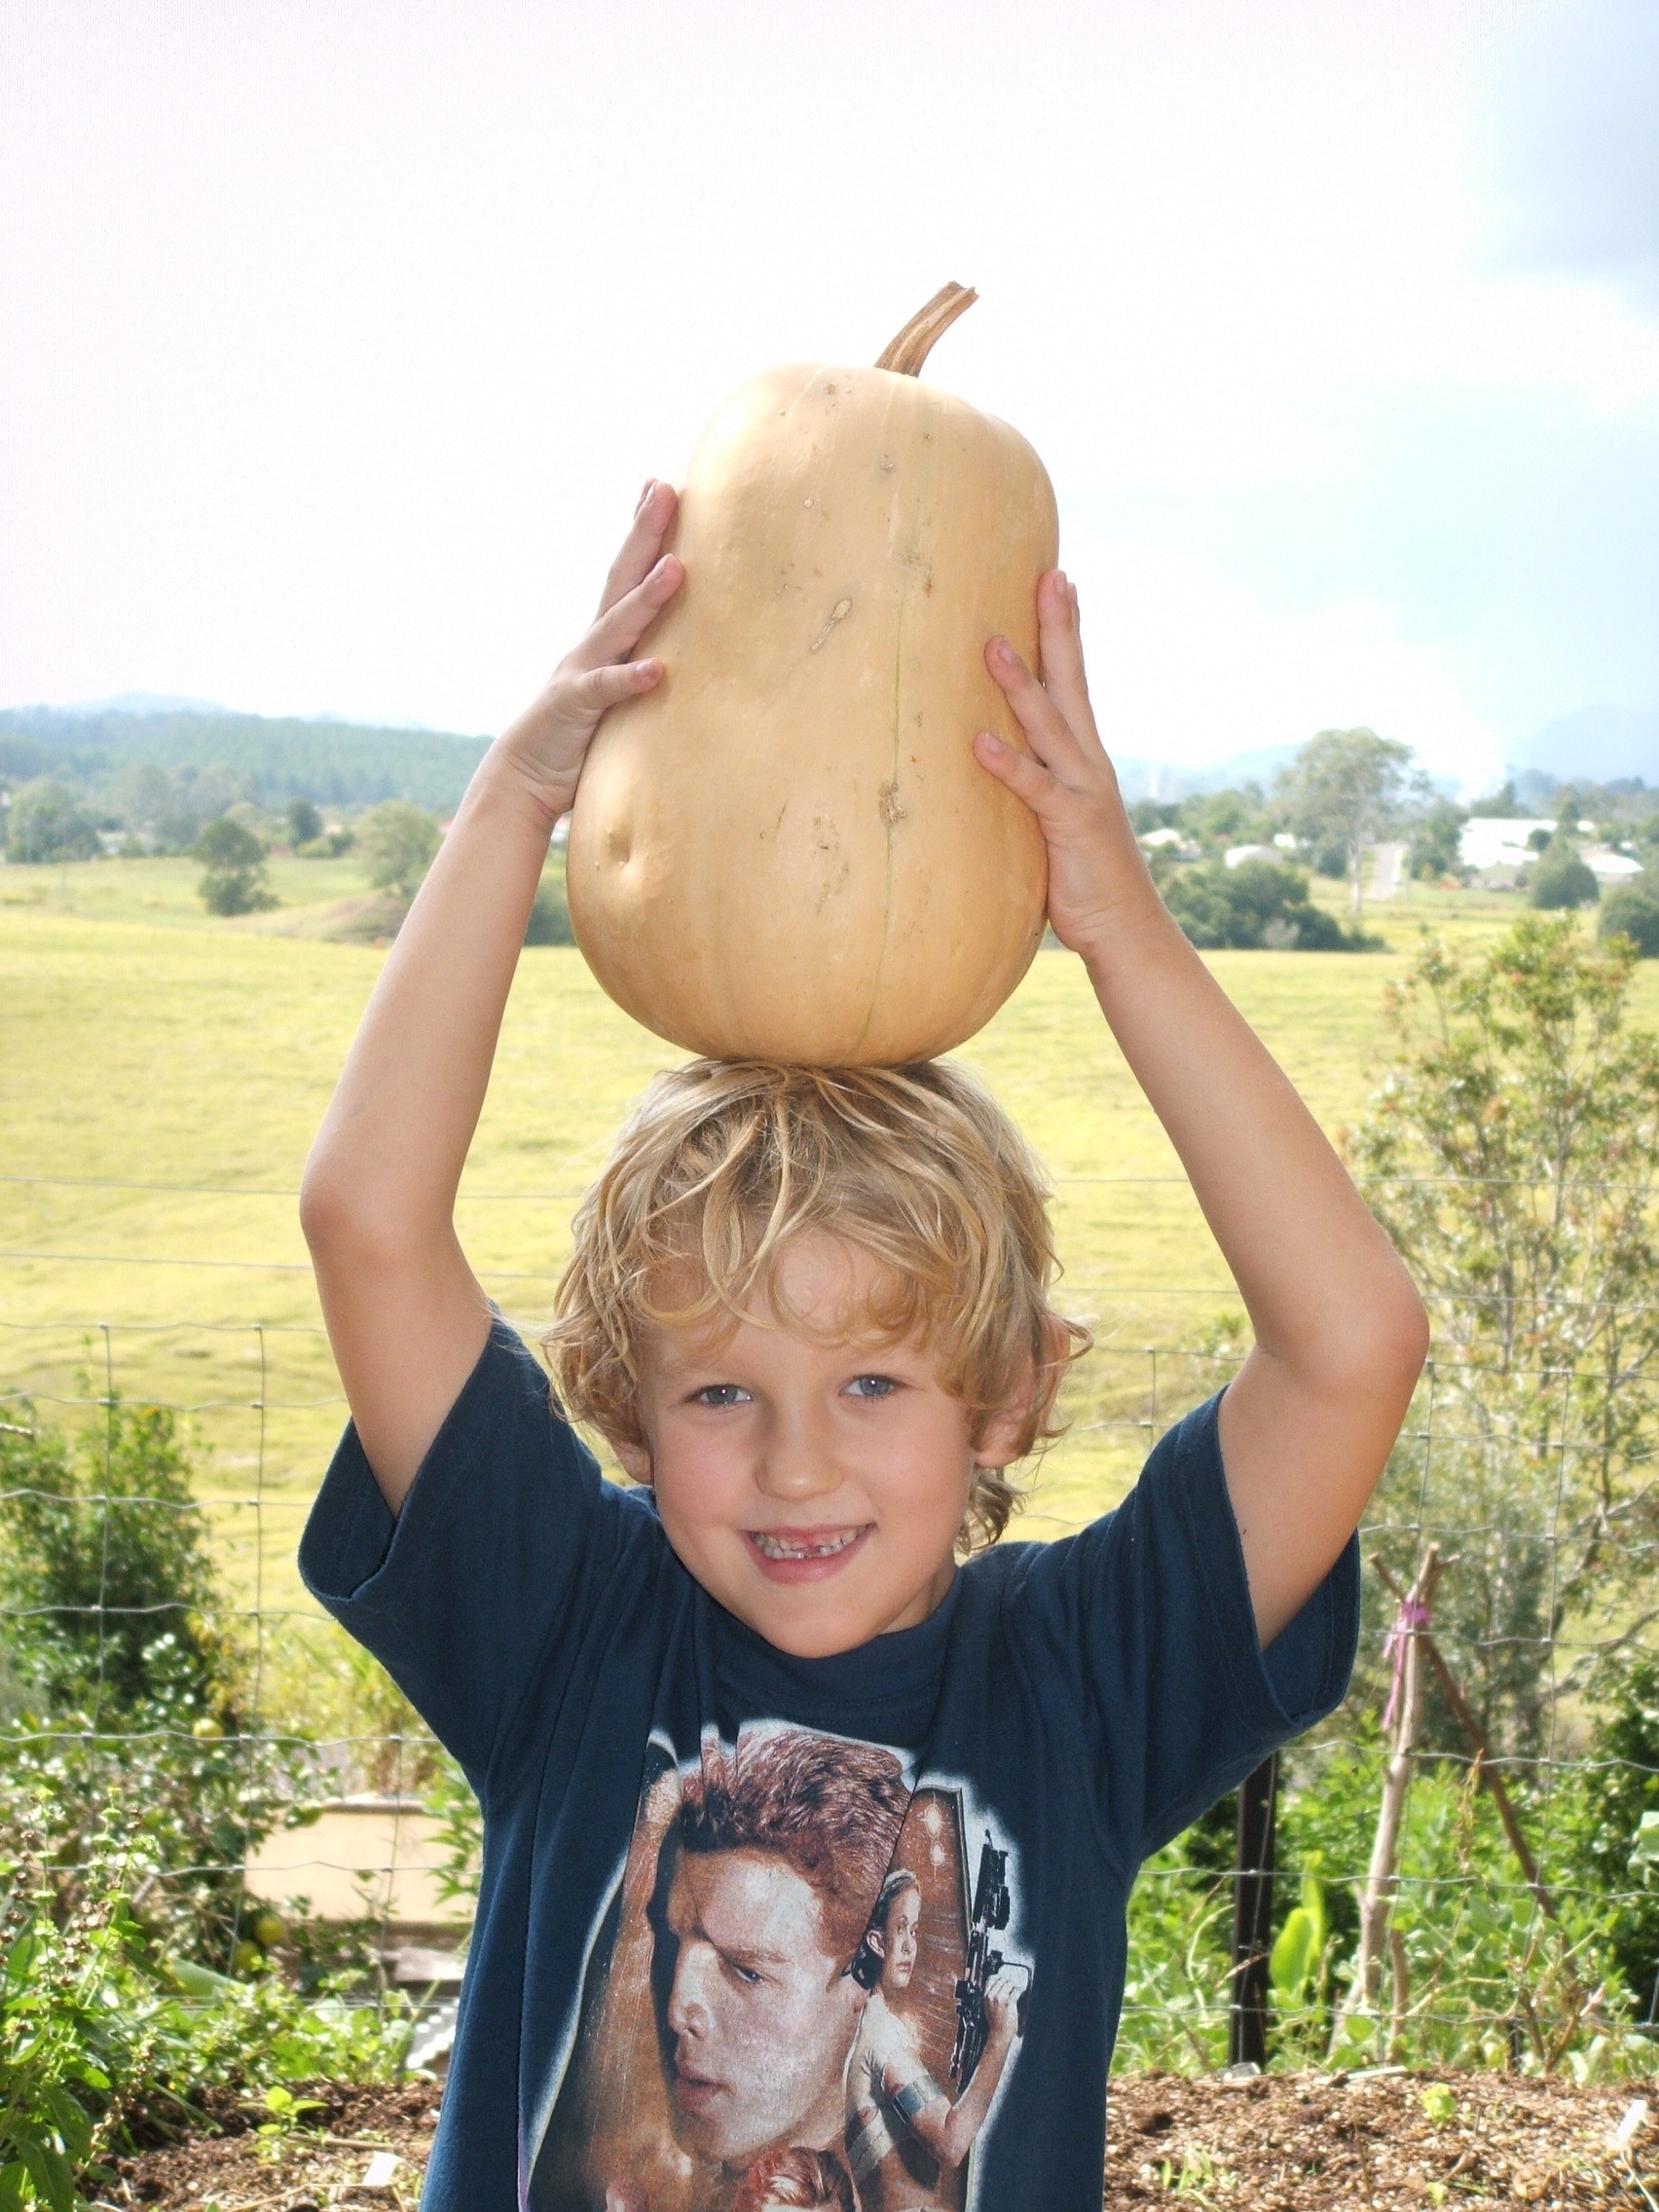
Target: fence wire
(347, 1815)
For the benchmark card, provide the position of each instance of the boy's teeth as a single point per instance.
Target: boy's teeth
(776, 1547)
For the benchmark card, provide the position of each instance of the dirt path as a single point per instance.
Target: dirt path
(1290, 2143)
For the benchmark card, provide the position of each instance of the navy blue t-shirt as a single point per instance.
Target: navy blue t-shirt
(757, 1930)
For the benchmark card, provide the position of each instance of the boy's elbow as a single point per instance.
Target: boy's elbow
(1386, 1354)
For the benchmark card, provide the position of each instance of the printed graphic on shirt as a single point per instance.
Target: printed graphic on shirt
(801, 1995)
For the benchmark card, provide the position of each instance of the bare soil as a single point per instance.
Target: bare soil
(1283, 2143)
(1316, 2142)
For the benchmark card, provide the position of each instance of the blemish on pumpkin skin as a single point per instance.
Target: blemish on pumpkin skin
(889, 805)
(838, 613)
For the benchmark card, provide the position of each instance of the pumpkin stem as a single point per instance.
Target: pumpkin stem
(916, 341)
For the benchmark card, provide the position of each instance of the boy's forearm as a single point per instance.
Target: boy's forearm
(388, 1159)
(1310, 1262)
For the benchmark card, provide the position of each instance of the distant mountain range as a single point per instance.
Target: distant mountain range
(341, 763)
(270, 759)
(1597, 744)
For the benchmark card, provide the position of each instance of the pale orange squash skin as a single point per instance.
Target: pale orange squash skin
(787, 851)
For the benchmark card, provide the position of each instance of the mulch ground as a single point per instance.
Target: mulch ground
(1316, 2142)
(1283, 2143)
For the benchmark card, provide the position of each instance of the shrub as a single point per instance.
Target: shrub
(551, 917)
(103, 1559)
(399, 841)
(304, 824)
(1258, 903)
(123, 1685)
(99, 2030)
(1559, 881)
(49, 823)
(1599, 1821)
(1513, 1158)
(1633, 911)
(234, 882)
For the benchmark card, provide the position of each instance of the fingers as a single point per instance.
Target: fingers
(1048, 732)
(642, 547)
(619, 629)
(595, 691)
(1026, 778)
(1061, 639)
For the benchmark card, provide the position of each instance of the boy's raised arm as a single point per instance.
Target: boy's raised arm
(406, 1318)
(1340, 1335)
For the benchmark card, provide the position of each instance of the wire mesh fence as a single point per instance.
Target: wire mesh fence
(1519, 1700)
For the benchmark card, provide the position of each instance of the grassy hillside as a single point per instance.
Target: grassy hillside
(161, 1075)
(272, 760)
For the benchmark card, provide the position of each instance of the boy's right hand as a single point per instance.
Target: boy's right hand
(549, 741)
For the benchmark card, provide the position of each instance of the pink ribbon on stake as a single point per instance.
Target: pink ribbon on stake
(1412, 1616)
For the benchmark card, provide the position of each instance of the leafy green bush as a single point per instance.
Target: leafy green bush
(49, 823)
(234, 881)
(1256, 904)
(1600, 1818)
(551, 917)
(1561, 881)
(103, 1557)
(399, 843)
(1631, 911)
(122, 1681)
(304, 824)
(98, 2030)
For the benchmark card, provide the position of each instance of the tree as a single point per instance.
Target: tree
(49, 823)
(1436, 841)
(1633, 911)
(1346, 787)
(234, 882)
(1513, 1156)
(399, 843)
(304, 824)
(1256, 904)
(1560, 880)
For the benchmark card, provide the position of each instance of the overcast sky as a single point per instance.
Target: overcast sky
(336, 339)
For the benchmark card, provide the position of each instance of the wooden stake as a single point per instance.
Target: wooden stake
(1380, 1879)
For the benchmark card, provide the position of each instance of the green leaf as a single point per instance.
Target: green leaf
(52, 2177)
(13, 2180)
(73, 2123)
(1294, 1955)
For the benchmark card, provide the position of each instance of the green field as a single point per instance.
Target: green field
(162, 1074)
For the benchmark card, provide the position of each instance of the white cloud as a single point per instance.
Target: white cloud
(1188, 667)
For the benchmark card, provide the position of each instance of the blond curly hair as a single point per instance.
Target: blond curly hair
(724, 1163)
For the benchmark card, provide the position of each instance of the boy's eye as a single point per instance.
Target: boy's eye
(720, 1394)
(873, 1386)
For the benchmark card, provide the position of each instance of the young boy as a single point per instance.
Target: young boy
(708, 1716)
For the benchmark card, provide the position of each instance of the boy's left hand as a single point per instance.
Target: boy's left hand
(1097, 879)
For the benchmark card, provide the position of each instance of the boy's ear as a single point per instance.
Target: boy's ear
(1007, 1433)
(635, 1461)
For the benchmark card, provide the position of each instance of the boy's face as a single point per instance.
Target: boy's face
(815, 1487)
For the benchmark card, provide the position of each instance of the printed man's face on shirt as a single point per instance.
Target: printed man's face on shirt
(761, 2017)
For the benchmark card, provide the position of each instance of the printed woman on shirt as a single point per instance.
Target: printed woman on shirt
(902, 2127)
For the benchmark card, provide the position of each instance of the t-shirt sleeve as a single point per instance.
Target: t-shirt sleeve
(461, 1595)
(1150, 1607)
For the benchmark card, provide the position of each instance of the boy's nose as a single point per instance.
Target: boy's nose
(796, 1461)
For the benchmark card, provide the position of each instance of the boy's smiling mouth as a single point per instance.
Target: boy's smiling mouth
(803, 1554)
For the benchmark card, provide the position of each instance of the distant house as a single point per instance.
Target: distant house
(1237, 854)
(1610, 866)
(1490, 840)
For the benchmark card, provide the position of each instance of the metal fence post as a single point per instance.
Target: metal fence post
(1252, 1916)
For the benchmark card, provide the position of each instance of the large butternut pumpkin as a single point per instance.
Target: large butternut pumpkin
(788, 850)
